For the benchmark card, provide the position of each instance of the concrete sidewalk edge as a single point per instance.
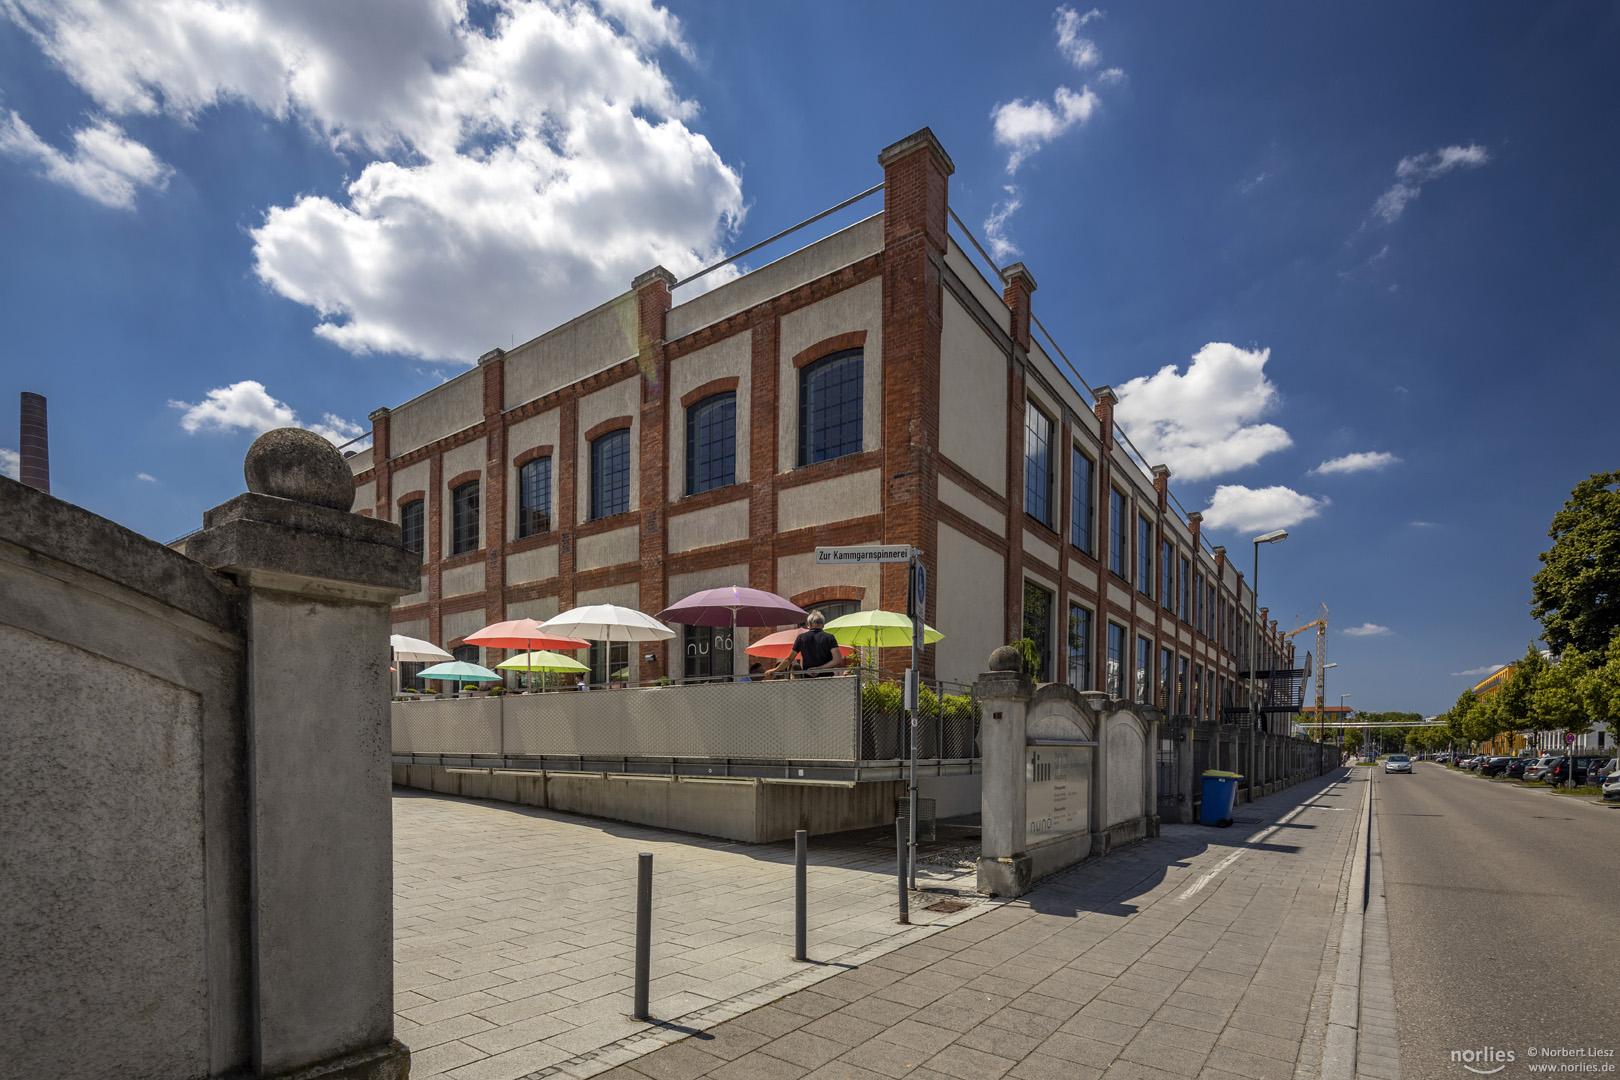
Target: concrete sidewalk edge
(1344, 1013)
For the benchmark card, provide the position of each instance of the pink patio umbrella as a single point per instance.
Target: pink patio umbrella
(734, 606)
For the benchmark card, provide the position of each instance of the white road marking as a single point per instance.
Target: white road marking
(1193, 889)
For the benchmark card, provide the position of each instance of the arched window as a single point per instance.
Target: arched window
(464, 518)
(711, 443)
(830, 406)
(534, 497)
(610, 474)
(410, 525)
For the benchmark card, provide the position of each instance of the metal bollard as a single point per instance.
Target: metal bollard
(800, 852)
(900, 868)
(643, 932)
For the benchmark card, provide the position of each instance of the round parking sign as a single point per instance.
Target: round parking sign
(1569, 739)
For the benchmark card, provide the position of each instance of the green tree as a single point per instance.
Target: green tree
(1576, 593)
(1600, 686)
(1515, 704)
(1560, 697)
(1353, 740)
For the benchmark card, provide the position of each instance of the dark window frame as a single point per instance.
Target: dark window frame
(1144, 556)
(413, 525)
(1041, 622)
(1079, 646)
(465, 515)
(610, 496)
(711, 443)
(832, 410)
(534, 484)
(1038, 471)
(1082, 511)
(1115, 677)
(1119, 534)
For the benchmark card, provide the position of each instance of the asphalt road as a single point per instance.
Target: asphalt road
(1504, 921)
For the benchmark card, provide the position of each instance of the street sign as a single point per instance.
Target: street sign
(919, 574)
(1568, 738)
(864, 554)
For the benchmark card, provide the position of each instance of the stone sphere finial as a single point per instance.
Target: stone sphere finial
(1006, 658)
(291, 463)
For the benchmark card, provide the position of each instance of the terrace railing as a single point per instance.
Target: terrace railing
(849, 727)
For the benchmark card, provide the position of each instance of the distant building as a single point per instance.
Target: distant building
(1551, 739)
(873, 386)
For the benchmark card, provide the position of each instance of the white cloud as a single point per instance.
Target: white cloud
(148, 477)
(514, 176)
(1026, 126)
(1363, 461)
(248, 405)
(10, 463)
(1488, 669)
(1112, 76)
(1203, 423)
(1249, 186)
(1415, 171)
(995, 226)
(1245, 509)
(105, 164)
(1367, 630)
(1422, 524)
(1080, 51)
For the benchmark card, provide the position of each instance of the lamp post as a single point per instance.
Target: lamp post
(1321, 730)
(1254, 637)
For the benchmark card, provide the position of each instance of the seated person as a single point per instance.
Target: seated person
(818, 649)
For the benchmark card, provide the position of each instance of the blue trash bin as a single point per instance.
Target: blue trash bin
(1220, 795)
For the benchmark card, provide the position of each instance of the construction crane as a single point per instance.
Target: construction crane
(1321, 625)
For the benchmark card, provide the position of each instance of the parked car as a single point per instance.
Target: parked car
(1397, 763)
(1611, 785)
(1515, 768)
(1537, 770)
(1603, 771)
(1493, 766)
(1559, 773)
(1473, 763)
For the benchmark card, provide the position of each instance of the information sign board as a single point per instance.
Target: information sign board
(1057, 791)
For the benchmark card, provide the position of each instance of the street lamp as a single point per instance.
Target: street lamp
(1254, 631)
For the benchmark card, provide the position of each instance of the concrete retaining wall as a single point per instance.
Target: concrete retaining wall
(752, 811)
(195, 835)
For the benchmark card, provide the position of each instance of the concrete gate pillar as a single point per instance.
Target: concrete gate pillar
(317, 583)
(1005, 868)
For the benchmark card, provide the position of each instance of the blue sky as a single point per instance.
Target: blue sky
(1386, 231)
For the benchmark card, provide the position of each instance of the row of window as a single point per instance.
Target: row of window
(1180, 686)
(830, 418)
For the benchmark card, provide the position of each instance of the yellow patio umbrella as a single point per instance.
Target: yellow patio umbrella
(541, 660)
(885, 629)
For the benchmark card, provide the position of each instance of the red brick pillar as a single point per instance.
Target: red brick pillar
(382, 474)
(762, 451)
(433, 523)
(493, 367)
(1018, 284)
(652, 306)
(1103, 401)
(34, 446)
(916, 172)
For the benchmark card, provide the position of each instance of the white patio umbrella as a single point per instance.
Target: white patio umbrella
(609, 623)
(412, 650)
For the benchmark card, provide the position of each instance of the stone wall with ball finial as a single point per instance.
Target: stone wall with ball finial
(196, 841)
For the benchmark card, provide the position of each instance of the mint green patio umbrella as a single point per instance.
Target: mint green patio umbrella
(458, 671)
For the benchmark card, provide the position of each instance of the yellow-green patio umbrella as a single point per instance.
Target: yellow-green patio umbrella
(885, 629)
(542, 661)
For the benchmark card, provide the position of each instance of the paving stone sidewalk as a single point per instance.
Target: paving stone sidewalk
(1197, 954)
(514, 930)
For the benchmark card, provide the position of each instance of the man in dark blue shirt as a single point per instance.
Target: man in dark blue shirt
(818, 648)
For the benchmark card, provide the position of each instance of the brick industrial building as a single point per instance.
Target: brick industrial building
(872, 386)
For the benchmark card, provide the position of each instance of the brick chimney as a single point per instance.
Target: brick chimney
(36, 444)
